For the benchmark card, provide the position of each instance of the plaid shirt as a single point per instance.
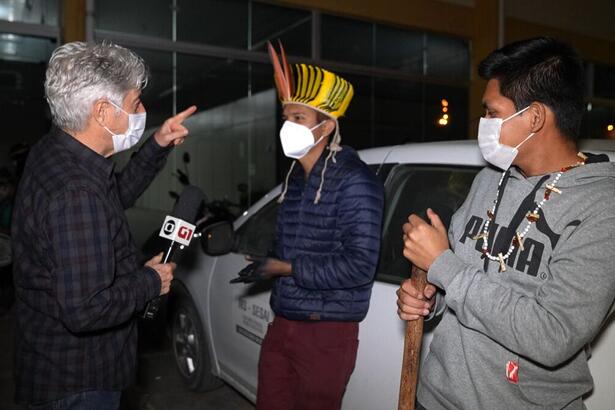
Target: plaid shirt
(77, 274)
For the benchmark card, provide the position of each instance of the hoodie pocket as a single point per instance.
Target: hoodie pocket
(554, 388)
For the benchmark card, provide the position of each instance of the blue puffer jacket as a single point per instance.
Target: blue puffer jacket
(333, 245)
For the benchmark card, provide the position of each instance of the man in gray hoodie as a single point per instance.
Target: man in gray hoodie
(526, 275)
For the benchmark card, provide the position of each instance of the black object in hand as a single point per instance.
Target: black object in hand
(253, 272)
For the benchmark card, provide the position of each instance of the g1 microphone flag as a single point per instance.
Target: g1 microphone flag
(178, 228)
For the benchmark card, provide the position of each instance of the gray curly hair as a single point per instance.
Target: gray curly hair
(79, 74)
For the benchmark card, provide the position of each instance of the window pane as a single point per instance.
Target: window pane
(215, 22)
(257, 235)
(447, 58)
(604, 81)
(413, 189)
(23, 61)
(157, 97)
(398, 112)
(209, 82)
(27, 49)
(144, 17)
(30, 11)
(399, 49)
(356, 126)
(346, 40)
(455, 113)
(292, 26)
(260, 77)
(596, 122)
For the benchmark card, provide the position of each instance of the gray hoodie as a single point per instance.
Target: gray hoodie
(516, 339)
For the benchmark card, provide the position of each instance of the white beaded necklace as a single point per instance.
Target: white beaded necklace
(531, 217)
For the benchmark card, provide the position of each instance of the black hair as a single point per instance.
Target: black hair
(541, 70)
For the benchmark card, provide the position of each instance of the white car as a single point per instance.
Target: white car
(218, 327)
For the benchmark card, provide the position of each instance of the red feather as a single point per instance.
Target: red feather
(286, 67)
(281, 80)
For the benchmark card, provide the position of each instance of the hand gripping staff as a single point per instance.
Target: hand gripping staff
(412, 349)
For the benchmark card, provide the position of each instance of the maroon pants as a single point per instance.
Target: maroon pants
(306, 365)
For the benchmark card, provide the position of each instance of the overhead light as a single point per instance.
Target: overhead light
(609, 127)
(444, 102)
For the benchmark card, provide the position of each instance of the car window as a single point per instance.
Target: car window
(381, 170)
(257, 235)
(412, 189)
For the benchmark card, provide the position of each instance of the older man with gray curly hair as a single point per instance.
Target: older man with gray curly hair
(79, 283)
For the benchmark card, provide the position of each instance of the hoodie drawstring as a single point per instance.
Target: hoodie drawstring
(283, 195)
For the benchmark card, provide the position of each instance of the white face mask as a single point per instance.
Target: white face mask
(132, 135)
(500, 155)
(297, 140)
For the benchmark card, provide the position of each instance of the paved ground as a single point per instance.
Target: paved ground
(158, 387)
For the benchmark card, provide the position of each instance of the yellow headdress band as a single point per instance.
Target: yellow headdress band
(311, 86)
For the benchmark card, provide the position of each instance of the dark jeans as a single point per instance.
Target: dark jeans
(306, 365)
(89, 400)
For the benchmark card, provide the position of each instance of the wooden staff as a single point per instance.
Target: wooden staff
(412, 349)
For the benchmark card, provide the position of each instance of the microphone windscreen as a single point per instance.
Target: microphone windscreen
(188, 204)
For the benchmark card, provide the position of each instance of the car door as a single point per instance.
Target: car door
(409, 189)
(240, 313)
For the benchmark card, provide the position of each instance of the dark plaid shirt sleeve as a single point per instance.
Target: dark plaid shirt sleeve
(89, 293)
(140, 170)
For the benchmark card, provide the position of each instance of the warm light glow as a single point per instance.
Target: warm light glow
(445, 116)
(442, 122)
(444, 102)
(444, 109)
(609, 127)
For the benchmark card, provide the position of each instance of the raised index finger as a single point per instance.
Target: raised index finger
(180, 117)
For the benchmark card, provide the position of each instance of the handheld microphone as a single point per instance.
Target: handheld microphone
(178, 228)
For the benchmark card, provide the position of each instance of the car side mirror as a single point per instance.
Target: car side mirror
(218, 238)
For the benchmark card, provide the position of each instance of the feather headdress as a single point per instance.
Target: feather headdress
(316, 88)
(308, 85)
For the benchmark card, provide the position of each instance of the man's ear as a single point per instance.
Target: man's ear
(100, 112)
(538, 113)
(328, 127)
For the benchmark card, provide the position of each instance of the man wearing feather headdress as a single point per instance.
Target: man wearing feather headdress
(328, 241)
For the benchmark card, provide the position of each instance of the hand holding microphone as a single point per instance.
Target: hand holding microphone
(178, 228)
(164, 270)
